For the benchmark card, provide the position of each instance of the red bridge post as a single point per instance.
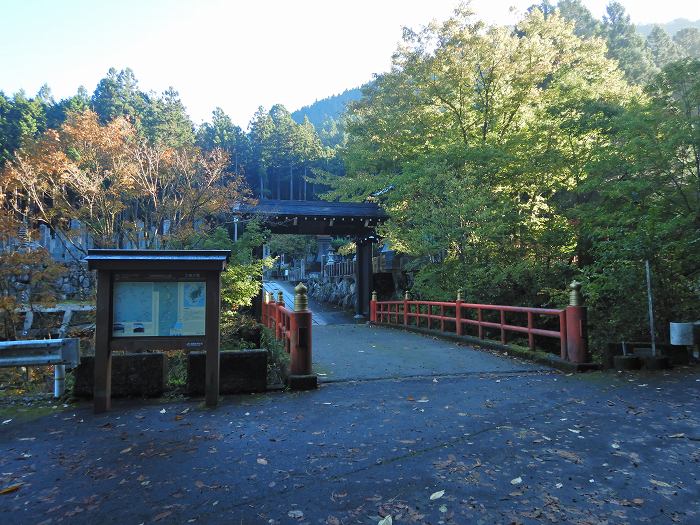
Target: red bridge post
(373, 308)
(301, 376)
(576, 327)
(278, 315)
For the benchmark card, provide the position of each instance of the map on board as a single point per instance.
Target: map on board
(147, 308)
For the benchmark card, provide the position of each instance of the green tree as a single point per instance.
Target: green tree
(283, 153)
(626, 45)
(688, 40)
(663, 50)
(165, 121)
(260, 131)
(223, 133)
(487, 136)
(117, 95)
(649, 208)
(585, 25)
(59, 112)
(21, 120)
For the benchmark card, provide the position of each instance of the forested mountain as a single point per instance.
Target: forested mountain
(671, 27)
(329, 108)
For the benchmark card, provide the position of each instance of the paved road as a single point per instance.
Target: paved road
(493, 440)
(504, 448)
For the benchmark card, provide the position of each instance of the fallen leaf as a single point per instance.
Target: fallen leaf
(559, 485)
(681, 435)
(162, 515)
(422, 400)
(443, 508)
(296, 514)
(126, 450)
(516, 481)
(437, 495)
(262, 461)
(615, 446)
(162, 411)
(6, 421)
(568, 455)
(574, 431)
(386, 521)
(660, 483)
(11, 488)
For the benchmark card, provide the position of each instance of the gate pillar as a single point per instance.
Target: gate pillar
(363, 277)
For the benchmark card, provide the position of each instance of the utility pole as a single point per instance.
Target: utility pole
(650, 300)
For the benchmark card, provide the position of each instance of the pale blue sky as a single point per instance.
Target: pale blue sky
(237, 55)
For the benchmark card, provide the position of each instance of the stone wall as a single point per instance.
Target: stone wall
(334, 290)
(77, 283)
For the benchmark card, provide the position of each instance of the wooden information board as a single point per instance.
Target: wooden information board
(156, 300)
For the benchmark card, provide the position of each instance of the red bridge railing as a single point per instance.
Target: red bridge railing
(293, 329)
(458, 316)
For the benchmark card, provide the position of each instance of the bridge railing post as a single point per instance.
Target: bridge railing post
(278, 315)
(263, 315)
(301, 376)
(576, 326)
(458, 313)
(406, 298)
(373, 308)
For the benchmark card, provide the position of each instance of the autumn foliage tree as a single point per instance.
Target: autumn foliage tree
(27, 276)
(123, 188)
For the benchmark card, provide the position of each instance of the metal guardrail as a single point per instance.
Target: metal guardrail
(60, 353)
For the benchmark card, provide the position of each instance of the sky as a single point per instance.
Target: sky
(231, 53)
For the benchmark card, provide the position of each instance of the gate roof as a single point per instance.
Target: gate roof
(317, 217)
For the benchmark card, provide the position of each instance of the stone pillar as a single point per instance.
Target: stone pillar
(324, 244)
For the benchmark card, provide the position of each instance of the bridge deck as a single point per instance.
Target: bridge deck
(348, 352)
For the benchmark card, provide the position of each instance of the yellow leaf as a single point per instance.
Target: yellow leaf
(11, 488)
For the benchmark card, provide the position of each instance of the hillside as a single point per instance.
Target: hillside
(328, 108)
(670, 27)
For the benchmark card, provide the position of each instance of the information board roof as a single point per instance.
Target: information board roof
(108, 259)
